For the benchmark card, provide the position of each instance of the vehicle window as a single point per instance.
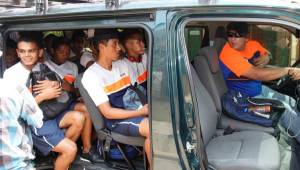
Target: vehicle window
(282, 44)
(194, 40)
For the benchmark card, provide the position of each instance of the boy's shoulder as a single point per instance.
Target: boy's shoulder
(15, 68)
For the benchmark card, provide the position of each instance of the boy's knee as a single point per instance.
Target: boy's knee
(144, 128)
(78, 119)
(70, 151)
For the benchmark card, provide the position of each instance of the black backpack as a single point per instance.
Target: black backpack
(53, 107)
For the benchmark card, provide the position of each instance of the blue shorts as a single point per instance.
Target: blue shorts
(128, 127)
(49, 135)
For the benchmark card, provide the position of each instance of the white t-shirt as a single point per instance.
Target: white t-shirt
(85, 57)
(139, 69)
(17, 74)
(67, 68)
(102, 84)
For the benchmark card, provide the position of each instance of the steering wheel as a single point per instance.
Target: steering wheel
(283, 81)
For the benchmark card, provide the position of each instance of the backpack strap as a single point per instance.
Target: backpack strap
(141, 95)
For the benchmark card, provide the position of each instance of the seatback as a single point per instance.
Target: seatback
(220, 39)
(207, 109)
(207, 68)
(97, 118)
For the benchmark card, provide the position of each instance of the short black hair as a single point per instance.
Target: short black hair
(78, 33)
(129, 33)
(11, 43)
(31, 36)
(239, 27)
(57, 42)
(103, 35)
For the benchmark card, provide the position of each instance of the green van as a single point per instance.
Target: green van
(184, 84)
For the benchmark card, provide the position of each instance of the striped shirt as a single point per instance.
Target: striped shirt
(18, 111)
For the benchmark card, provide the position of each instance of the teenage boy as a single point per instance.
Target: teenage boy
(58, 134)
(106, 81)
(82, 58)
(133, 42)
(68, 72)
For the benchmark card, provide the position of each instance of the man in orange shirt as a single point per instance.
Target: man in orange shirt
(242, 62)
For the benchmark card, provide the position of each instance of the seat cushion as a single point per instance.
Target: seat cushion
(241, 126)
(247, 150)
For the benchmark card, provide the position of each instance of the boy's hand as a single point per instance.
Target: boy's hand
(144, 110)
(294, 73)
(261, 61)
(42, 85)
(49, 93)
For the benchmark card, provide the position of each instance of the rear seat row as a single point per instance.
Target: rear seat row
(249, 148)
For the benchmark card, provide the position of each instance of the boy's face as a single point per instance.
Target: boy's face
(135, 45)
(111, 50)
(78, 44)
(62, 53)
(11, 57)
(236, 41)
(29, 53)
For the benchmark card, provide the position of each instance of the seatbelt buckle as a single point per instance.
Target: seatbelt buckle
(107, 144)
(228, 130)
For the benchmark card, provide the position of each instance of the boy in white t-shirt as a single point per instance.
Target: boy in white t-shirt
(81, 57)
(133, 42)
(68, 72)
(106, 81)
(58, 134)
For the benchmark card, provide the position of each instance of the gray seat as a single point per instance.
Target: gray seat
(247, 150)
(208, 71)
(220, 39)
(106, 135)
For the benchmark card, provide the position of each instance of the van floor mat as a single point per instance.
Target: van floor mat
(47, 163)
(289, 152)
(80, 164)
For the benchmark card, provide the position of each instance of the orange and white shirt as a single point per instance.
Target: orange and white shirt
(105, 85)
(139, 70)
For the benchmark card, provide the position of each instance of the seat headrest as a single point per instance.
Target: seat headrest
(212, 58)
(220, 32)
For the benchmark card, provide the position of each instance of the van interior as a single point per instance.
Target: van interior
(263, 147)
(204, 43)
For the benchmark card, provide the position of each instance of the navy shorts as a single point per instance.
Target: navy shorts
(128, 127)
(49, 135)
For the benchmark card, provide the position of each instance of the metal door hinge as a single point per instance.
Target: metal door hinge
(190, 146)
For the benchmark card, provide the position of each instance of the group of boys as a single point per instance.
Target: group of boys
(106, 81)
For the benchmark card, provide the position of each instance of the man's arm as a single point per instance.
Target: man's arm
(116, 113)
(267, 74)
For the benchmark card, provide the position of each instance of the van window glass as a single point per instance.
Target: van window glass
(282, 44)
(194, 40)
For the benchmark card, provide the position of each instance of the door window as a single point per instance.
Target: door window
(282, 44)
